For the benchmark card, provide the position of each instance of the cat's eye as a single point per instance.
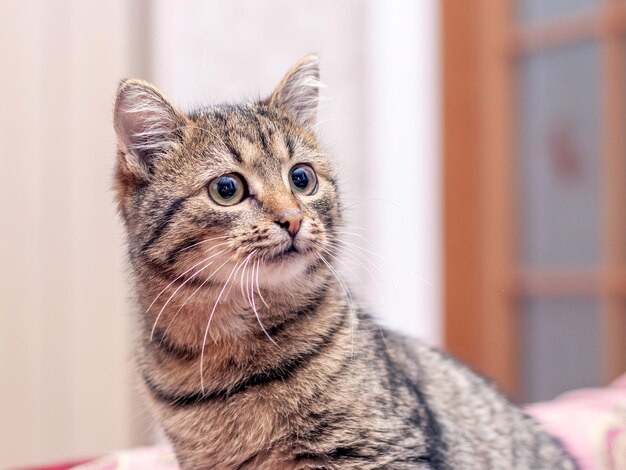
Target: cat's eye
(227, 190)
(303, 179)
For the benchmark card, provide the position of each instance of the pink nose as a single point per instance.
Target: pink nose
(290, 221)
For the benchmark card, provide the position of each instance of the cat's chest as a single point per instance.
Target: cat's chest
(230, 432)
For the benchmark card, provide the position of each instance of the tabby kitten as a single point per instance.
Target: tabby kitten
(252, 353)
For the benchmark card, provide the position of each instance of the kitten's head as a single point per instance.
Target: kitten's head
(227, 186)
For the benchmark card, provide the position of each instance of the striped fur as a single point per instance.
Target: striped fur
(252, 356)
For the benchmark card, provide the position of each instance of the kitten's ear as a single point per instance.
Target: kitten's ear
(298, 91)
(147, 125)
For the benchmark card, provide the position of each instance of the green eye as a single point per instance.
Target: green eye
(303, 179)
(227, 190)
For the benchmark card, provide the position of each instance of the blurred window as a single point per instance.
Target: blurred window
(538, 11)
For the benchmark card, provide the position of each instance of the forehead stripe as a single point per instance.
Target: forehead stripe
(234, 152)
(263, 137)
(290, 146)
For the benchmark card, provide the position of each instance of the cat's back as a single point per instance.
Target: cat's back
(476, 425)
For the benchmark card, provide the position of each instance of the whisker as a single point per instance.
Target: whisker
(208, 325)
(355, 235)
(425, 281)
(378, 287)
(194, 293)
(351, 251)
(177, 278)
(176, 291)
(348, 298)
(243, 271)
(355, 256)
(336, 245)
(253, 305)
(361, 258)
(355, 227)
(231, 285)
(201, 242)
(258, 288)
(376, 199)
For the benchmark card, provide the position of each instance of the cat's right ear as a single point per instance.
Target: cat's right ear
(298, 91)
(147, 126)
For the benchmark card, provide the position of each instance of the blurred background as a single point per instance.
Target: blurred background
(481, 153)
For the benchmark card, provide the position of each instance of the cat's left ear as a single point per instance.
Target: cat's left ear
(148, 126)
(298, 91)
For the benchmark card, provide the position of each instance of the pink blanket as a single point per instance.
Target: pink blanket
(591, 423)
(145, 458)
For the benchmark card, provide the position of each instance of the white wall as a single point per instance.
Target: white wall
(403, 166)
(379, 118)
(65, 388)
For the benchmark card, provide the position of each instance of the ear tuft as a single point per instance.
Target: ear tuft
(147, 125)
(298, 91)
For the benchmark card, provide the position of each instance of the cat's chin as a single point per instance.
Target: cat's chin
(285, 267)
(279, 273)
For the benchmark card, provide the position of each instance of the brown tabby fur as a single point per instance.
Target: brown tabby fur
(259, 360)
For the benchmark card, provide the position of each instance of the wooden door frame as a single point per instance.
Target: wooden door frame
(481, 280)
(478, 229)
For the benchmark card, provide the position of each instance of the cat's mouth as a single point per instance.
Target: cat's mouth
(289, 253)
